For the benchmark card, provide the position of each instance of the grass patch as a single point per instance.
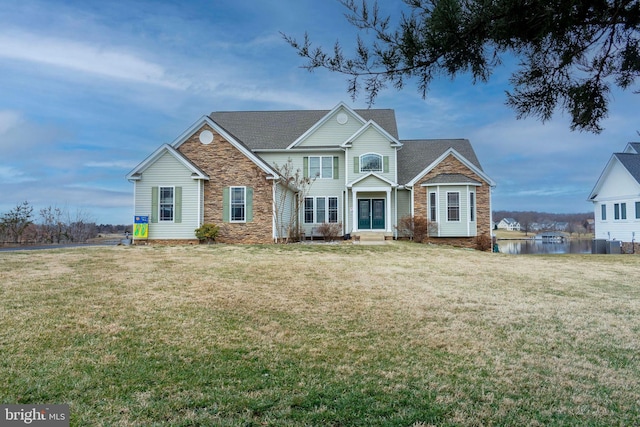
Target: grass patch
(297, 335)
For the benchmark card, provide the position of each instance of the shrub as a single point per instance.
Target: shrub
(483, 242)
(414, 227)
(330, 230)
(207, 232)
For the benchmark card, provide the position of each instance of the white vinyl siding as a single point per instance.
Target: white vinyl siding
(169, 172)
(616, 199)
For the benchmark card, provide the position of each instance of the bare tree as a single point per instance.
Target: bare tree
(294, 187)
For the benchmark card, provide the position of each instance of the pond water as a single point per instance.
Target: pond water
(521, 247)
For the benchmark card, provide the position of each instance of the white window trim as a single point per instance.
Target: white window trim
(371, 154)
(326, 210)
(173, 204)
(473, 217)
(320, 176)
(430, 207)
(244, 189)
(459, 207)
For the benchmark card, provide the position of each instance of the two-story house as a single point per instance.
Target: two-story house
(224, 169)
(616, 199)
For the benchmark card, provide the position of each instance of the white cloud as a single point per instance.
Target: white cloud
(83, 57)
(11, 175)
(118, 164)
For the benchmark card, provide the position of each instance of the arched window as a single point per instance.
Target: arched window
(371, 162)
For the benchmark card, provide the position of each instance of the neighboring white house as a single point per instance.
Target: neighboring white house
(616, 197)
(509, 224)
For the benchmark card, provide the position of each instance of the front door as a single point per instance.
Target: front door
(371, 214)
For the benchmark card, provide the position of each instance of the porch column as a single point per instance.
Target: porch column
(354, 209)
(388, 213)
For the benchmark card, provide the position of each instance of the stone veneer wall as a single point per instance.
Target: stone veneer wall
(226, 166)
(452, 165)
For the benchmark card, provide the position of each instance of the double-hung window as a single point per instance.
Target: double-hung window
(433, 207)
(166, 205)
(603, 212)
(472, 206)
(238, 204)
(321, 167)
(318, 210)
(453, 206)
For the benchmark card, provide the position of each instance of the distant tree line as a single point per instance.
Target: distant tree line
(50, 225)
(576, 222)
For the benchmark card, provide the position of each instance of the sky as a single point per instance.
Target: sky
(88, 89)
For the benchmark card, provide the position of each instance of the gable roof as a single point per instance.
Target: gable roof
(629, 160)
(417, 154)
(371, 124)
(238, 144)
(279, 129)
(633, 147)
(196, 172)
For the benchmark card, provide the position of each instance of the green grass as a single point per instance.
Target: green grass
(315, 335)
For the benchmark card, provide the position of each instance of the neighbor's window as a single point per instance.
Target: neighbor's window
(472, 206)
(603, 212)
(637, 210)
(453, 206)
(238, 204)
(371, 163)
(321, 167)
(166, 204)
(432, 207)
(619, 211)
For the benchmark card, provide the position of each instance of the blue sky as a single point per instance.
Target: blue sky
(88, 89)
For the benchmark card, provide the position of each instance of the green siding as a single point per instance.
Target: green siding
(249, 205)
(168, 171)
(225, 205)
(154, 204)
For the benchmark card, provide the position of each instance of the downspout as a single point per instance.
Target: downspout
(395, 216)
(134, 210)
(273, 210)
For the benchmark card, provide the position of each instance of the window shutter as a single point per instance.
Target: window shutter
(225, 204)
(356, 165)
(305, 167)
(249, 205)
(385, 164)
(154, 204)
(336, 164)
(177, 205)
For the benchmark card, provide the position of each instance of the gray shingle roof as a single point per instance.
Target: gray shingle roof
(278, 129)
(416, 154)
(631, 162)
(635, 146)
(268, 130)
